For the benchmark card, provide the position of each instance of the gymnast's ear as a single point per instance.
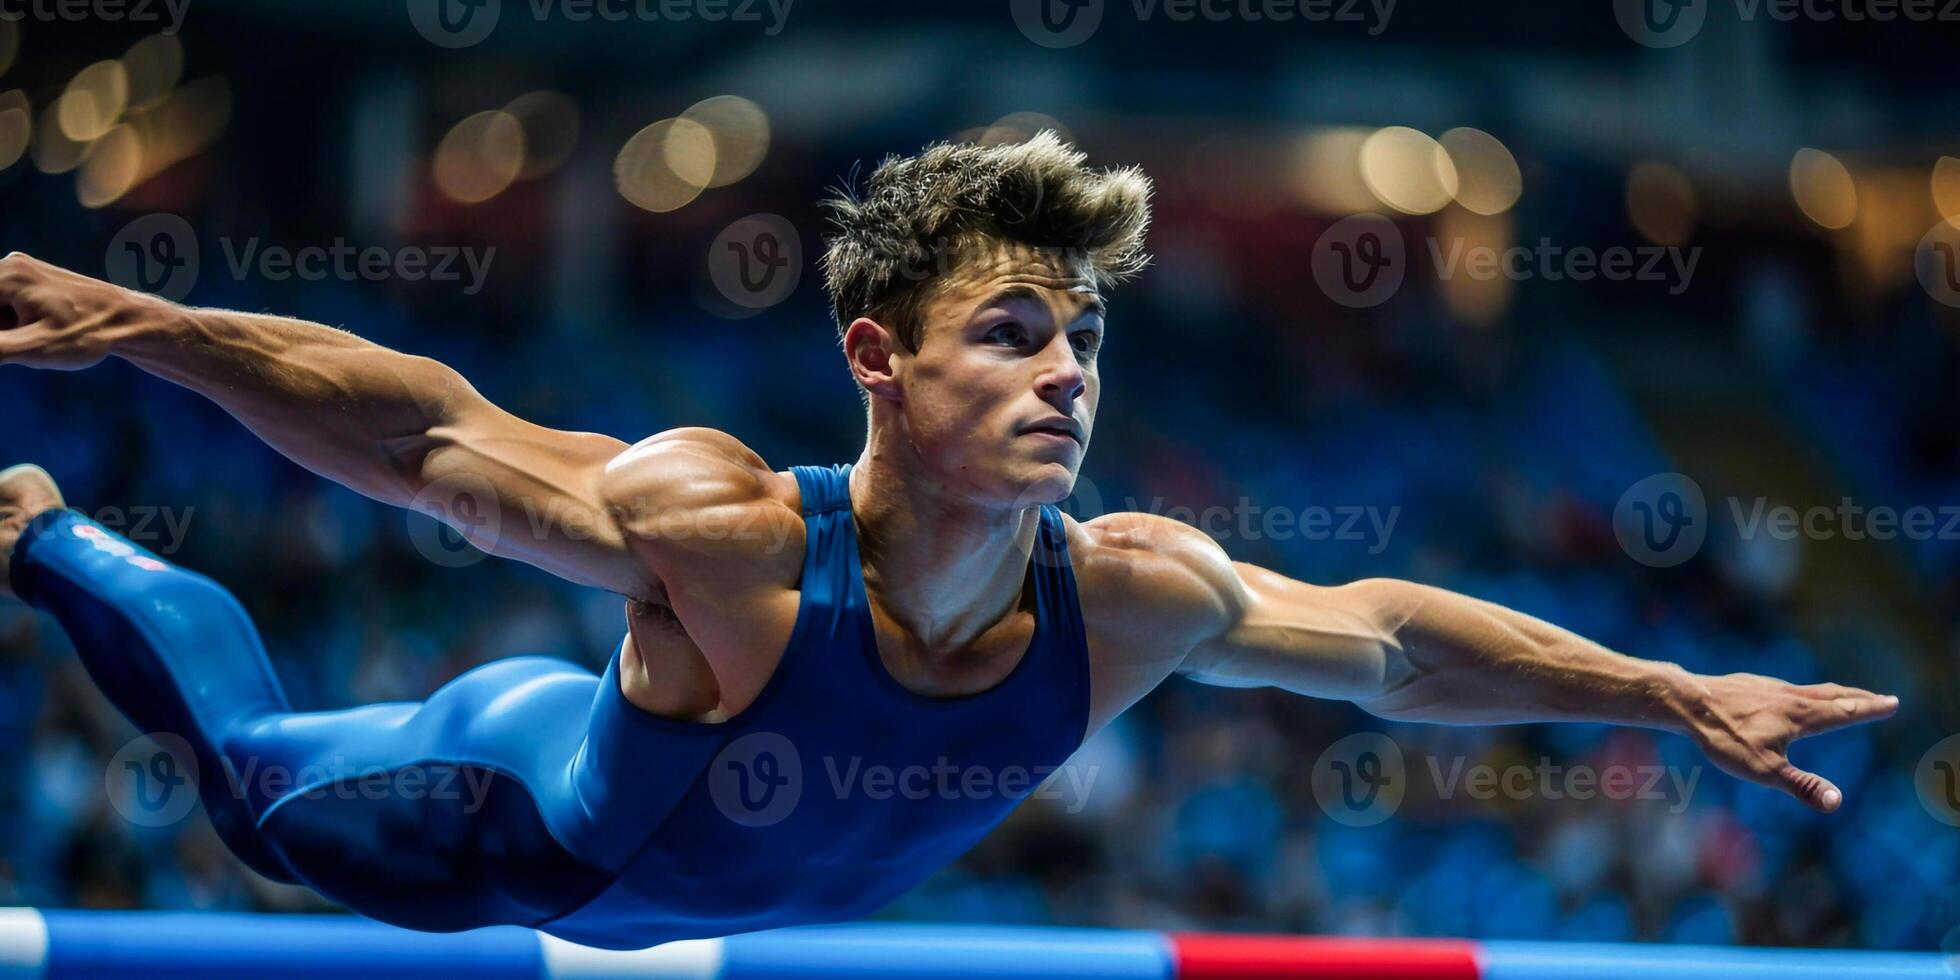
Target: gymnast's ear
(874, 353)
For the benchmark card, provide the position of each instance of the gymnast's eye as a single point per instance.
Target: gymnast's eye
(1010, 334)
(1085, 342)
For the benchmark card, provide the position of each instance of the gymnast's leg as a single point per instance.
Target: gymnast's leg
(171, 649)
(422, 814)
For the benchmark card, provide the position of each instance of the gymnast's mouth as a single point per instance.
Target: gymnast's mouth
(1057, 426)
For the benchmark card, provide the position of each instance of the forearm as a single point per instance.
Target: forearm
(349, 410)
(1415, 653)
(1459, 660)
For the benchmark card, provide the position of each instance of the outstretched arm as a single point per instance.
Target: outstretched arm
(1415, 653)
(399, 428)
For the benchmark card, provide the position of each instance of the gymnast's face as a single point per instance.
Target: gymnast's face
(999, 399)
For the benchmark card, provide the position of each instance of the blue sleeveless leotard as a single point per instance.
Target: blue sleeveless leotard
(528, 791)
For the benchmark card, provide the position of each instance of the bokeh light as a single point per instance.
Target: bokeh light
(153, 66)
(114, 165)
(666, 165)
(1407, 170)
(1946, 188)
(187, 122)
(1823, 188)
(1661, 203)
(550, 121)
(1488, 181)
(479, 157)
(1478, 300)
(740, 133)
(1326, 169)
(53, 151)
(16, 127)
(1891, 219)
(93, 101)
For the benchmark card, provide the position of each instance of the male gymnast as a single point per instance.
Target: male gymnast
(927, 606)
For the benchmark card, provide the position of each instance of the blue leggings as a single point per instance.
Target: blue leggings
(513, 795)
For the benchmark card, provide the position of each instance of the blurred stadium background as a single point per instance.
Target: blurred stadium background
(1802, 162)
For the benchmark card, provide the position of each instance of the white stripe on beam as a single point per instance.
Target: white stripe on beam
(687, 959)
(23, 944)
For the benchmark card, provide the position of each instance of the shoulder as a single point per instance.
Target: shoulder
(690, 467)
(699, 490)
(1152, 582)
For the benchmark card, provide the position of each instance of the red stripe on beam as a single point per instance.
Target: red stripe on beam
(1203, 956)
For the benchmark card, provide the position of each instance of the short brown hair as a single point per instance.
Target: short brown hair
(918, 214)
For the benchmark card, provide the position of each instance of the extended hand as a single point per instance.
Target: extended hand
(1745, 722)
(53, 318)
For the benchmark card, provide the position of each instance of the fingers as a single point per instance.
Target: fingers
(21, 340)
(1818, 793)
(15, 275)
(1834, 706)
